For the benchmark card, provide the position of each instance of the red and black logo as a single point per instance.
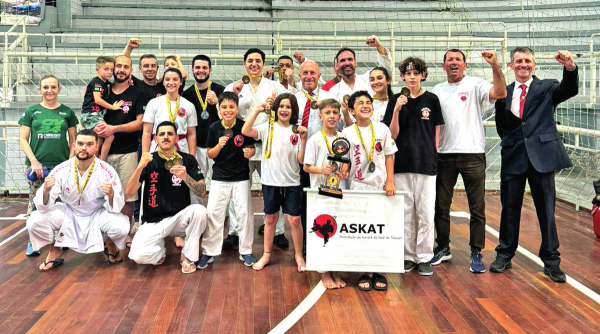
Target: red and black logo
(324, 226)
(378, 147)
(294, 139)
(238, 140)
(181, 112)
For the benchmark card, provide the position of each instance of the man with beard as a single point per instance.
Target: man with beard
(125, 124)
(461, 149)
(204, 94)
(351, 82)
(88, 214)
(168, 177)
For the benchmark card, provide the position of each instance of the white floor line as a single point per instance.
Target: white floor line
(13, 236)
(21, 216)
(570, 280)
(300, 310)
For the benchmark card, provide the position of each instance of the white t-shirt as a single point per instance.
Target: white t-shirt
(158, 112)
(462, 108)
(282, 168)
(249, 99)
(316, 154)
(379, 108)
(359, 176)
(314, 124)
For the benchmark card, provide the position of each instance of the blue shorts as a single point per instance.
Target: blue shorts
(288, 198)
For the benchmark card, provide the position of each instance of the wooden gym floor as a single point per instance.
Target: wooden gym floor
(86, 295)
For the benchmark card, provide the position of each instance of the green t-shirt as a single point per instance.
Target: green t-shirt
(48, 138)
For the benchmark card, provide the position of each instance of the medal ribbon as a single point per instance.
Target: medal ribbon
(371, 153)
(175, 156)
(203, 103)
(269, 143)
(87, 179)
(312, 99)
(172, 115)
(327, 141)
(228, 127)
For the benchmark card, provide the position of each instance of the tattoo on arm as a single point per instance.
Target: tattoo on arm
(197, 187)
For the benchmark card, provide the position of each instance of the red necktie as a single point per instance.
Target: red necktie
(306, 112)
(522, 99)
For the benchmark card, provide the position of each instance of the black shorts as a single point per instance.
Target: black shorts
(288, 198)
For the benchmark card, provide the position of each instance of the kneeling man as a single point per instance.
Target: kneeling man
(92, 199)
(168, 178)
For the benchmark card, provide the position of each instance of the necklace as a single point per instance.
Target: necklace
(370, 153)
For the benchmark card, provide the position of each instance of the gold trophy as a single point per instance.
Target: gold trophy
(340, 147)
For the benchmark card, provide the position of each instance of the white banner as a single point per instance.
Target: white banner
(363, 232)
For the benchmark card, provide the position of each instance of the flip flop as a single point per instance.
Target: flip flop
(114, 256)
(188, 268)
(57, 262)
(377, 278)
(365, 279)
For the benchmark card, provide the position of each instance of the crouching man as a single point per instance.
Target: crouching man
(168, 177)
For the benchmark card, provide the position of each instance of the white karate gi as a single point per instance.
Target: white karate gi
(81, 226)
(148, 245)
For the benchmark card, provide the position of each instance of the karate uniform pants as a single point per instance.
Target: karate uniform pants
(222, 195)
(43, 227)
(419, 212)
(233, 223)
(148, 245)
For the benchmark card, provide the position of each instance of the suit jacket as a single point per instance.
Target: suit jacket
(535, 138)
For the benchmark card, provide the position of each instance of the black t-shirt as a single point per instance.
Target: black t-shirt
(96, 85)
(230, 164)
(213, 113)
(164, 193)
(416, 140)
(134, 103)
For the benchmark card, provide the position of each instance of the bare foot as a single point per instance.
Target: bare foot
(55, 253)
(300, 262)
(264, 260)
(328, 281)
(338, 280)
(179, 242)
(366, 285)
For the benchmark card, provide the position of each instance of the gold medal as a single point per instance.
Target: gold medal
(405, 91)
(314, 105)
(346, 98)
(246, 79)
(228, 132)
(295, 129)
(175, 160)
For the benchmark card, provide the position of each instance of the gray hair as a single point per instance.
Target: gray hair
(523, 49)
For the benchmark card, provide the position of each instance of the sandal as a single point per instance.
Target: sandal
(377, 278)
(114, 256)
(188, 268)
(365, 279)
(57, 262)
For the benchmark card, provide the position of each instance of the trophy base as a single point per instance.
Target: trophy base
(331, 192)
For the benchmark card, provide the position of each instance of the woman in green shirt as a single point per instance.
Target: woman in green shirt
(43, 138)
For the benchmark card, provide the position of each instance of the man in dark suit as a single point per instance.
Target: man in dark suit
(532, 150)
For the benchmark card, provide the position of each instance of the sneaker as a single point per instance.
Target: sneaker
(555, 274)
(30, 251)
(248, 259)
(409, 266)
(261, 229)
(440, 255)
(477, 265)
(231, 242)
(204, 261)
(500, 265)
(425, 269)
(280, 241)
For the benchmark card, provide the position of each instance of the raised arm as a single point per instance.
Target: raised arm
(498, 91)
